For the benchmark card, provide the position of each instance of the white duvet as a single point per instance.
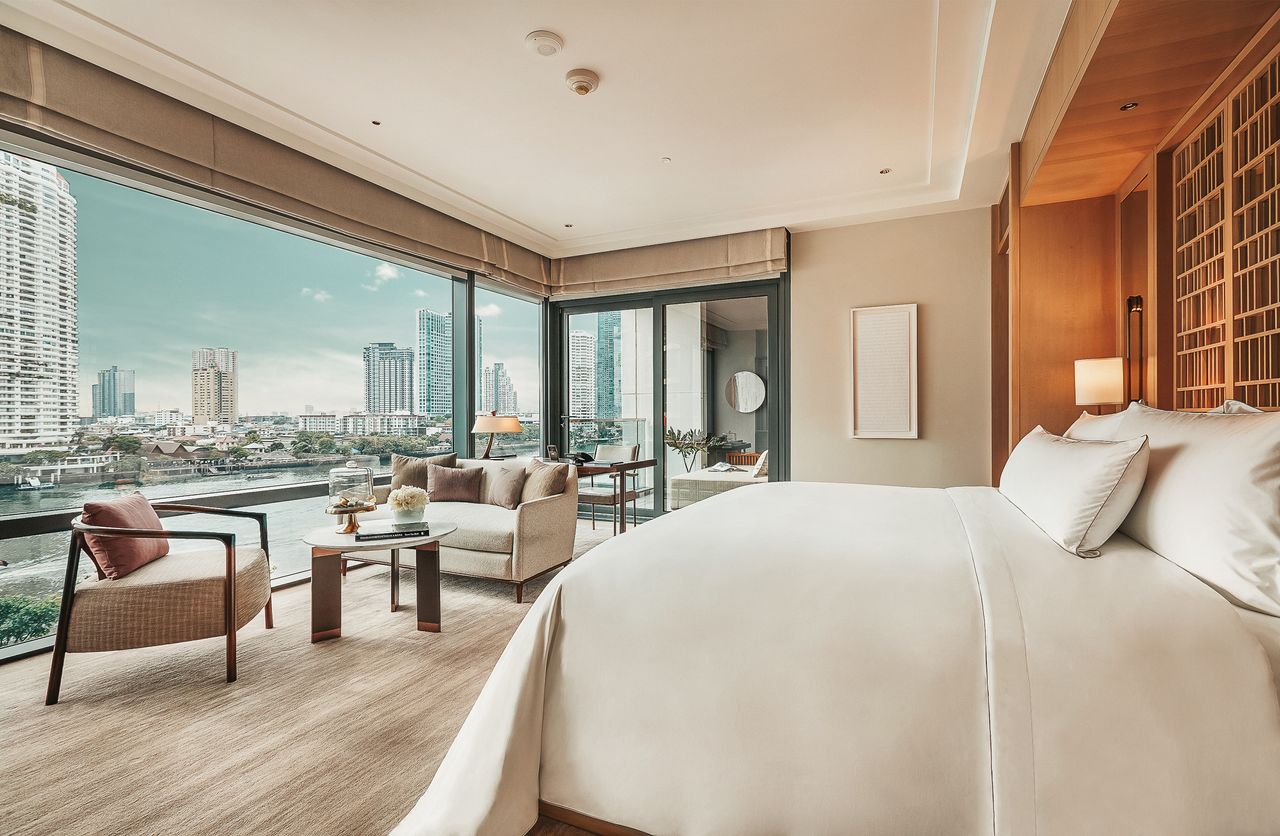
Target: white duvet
(840, 659)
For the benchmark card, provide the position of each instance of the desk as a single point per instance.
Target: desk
(617, 472)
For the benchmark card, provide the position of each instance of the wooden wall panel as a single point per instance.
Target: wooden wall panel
(1066, 306)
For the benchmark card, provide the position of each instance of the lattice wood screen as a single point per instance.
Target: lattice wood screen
(1199, 270)
(1227, 275)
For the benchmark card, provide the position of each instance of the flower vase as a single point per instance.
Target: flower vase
(407, 515)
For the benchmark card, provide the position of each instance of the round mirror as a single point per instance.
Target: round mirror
(744, 391)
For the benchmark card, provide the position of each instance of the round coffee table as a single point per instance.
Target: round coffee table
(328, 549)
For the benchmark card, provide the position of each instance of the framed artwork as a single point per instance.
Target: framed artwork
(884, 391)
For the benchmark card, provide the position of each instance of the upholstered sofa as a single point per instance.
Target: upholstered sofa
(512, 545)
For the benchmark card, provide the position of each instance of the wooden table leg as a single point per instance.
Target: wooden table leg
(395, 580)
(326, 594)
(428, 583)
(619, 491)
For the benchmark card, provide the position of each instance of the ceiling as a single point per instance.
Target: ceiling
(773, 113)
(1161, 54)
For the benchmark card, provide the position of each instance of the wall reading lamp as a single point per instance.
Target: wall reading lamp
(1132, 308)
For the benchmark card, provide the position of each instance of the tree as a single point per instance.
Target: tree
(127, 444)
(23, 618)
(238, 453)
(275, 445)
(252, 437)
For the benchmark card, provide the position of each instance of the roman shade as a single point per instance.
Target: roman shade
(69, 101)
(701, 261)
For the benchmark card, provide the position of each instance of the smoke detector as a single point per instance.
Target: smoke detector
(544, 43)
(582, 82)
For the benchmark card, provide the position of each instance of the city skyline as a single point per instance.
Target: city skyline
(185, 275)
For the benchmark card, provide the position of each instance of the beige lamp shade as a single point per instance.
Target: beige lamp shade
(1100, 381)
(496, 424)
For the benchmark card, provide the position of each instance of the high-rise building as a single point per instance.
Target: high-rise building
(480, 361)
(39, 344)
(582, 374)
(497, 392)
(435, 363)
(215, 386)
(608, 364)
(388, 378)
(113, 393)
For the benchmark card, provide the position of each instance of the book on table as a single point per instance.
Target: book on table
(400, 531)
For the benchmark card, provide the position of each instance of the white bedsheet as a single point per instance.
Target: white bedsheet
(799, 658)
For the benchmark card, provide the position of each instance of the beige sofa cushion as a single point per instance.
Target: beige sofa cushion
(503, 485)
(481, 527)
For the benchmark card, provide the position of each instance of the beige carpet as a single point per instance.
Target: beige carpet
(335, 738)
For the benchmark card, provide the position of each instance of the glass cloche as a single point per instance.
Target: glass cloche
(351, 489)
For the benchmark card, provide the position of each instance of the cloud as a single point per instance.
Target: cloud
(382, 274)
(318, 295)
(419, 292)
(489, 310)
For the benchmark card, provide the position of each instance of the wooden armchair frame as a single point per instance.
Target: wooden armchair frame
(79, 530)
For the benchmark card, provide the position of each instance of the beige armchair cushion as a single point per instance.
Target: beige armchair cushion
(176, 598)
(504, 485)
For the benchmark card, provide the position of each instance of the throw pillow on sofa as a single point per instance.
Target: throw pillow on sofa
(543, 480)
(453, 484)
(506, 485)
(412, 470)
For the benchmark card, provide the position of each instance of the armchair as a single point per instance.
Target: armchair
(182, 596)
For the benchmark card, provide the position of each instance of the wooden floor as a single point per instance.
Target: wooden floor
(334, 738)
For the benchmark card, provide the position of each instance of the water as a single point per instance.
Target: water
(37, 564)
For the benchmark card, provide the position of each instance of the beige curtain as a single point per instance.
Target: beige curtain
(67, 99)
(702, 261)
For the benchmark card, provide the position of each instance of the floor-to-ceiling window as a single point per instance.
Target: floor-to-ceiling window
(508, 352)
(150, 344)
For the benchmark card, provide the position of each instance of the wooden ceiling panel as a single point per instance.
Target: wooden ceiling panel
(1163, 54)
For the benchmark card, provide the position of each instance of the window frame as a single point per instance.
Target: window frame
(463, 282)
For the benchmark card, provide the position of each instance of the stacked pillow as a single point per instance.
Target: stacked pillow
(1077, 491)
(1211, 503)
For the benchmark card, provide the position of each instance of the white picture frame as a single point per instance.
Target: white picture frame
(884, 383)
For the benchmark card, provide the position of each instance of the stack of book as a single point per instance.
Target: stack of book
(397, 531)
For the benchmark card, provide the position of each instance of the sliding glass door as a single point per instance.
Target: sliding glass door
(694, 378)
(610, 388)
(716, 356)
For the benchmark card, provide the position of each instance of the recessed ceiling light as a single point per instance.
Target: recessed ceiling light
(666, 159)
(1128, 105)
(568, 226)
(376, 122)
(544, 43)
(886, 171)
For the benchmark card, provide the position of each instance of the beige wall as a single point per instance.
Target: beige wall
(940, 262)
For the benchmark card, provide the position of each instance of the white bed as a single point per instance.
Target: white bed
(807, 659)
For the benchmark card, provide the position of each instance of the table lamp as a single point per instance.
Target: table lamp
(495, 423)
(1100, 381)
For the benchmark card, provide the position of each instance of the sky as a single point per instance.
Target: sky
(158, 278)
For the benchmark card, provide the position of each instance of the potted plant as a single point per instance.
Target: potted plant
(407, 503)
(690, 444)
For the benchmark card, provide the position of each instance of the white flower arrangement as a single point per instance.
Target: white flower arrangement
(407, 498)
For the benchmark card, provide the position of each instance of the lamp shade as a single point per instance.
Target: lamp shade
(1100, 381)
(496, 424)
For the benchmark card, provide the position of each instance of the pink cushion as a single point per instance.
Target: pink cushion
(118, 556)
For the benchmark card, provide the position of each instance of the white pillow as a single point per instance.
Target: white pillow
(1095, 427)
(1077, 491)
(1237, 408)
(1212, 499)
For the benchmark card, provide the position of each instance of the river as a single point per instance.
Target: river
(36, 565)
